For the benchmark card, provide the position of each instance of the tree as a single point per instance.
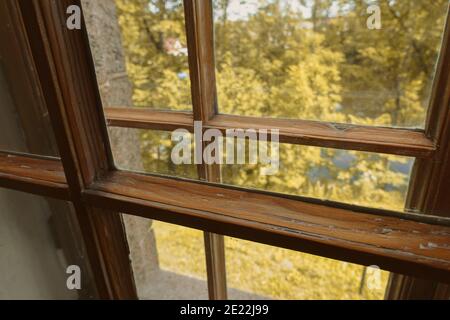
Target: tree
(306, 59)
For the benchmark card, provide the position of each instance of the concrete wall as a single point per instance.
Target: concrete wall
(115, 90)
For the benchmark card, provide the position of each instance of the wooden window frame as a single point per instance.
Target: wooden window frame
(86, 176)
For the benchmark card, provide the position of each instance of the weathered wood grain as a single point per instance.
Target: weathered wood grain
(37, 175)
(392, 243)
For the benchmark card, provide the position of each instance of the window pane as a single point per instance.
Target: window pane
(140, 52)
(149, 151)
(354, 177)
(257, 271)
(168, 260)
(24, 121)
(340, 61)
(38, 241)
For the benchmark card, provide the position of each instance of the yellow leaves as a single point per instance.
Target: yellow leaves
(239, 89)
(170, 28)
(311, 89)
(140, 97)
(271, 65)
(344, 175)
(382, 120)
(159, 77)
(172, 91)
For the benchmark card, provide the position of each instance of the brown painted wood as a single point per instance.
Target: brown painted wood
(38, 136)
(65, 69)
(23, 82)
(363, 138)
(142, 118)
(200, 38)
(38, 175)
(402, 287)
(393, 244)
(430, 179)
(67, 75)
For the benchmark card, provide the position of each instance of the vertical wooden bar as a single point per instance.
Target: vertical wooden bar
(215, 264)
(430, 179)
(200, 36)
(32, 112)
(65, 69)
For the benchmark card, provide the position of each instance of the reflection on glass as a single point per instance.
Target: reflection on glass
(140, 52)
(257, 271)
(329, 60)
(24, 122)
(168, 260)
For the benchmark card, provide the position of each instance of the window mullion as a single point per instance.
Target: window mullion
(430, 178)
(200, 35)
(66, 74)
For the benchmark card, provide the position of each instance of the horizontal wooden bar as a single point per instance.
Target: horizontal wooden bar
(342, 136)
(393, 244)
(38, 175)
(141, 118)
(396, 141)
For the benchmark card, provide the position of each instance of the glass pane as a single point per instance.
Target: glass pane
(140, 52)
(37, 244)
(345, 61)
(168, 260)
(148, 151)
(24, 122)
(354, 177)
(257, 271)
